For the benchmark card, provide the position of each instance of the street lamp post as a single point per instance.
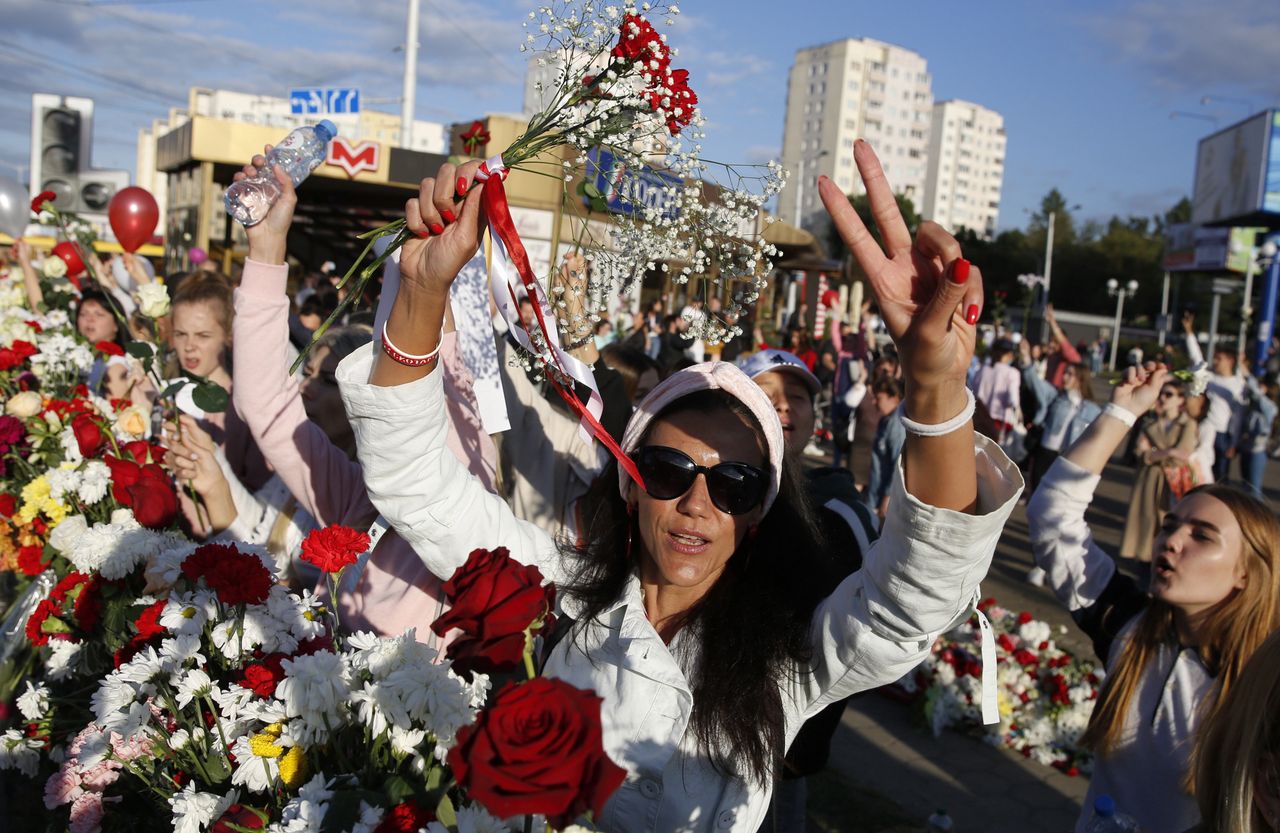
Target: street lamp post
(800, 185)
(1269, 260)
(1120, 292)
(410, 83)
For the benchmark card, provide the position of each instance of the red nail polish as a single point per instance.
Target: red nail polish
(960, 273)
(448, 216)
(972, 315)
(462, 185)
(436, 228)
(423, 234)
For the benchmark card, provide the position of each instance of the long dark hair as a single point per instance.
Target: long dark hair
(753, 624)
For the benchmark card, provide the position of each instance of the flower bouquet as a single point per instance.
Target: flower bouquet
(617, 105)
(1046, 695)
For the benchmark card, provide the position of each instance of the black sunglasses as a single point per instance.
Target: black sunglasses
(734, 488)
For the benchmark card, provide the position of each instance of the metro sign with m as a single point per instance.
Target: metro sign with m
(353, 159)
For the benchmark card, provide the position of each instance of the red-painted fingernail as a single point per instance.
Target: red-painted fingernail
(462, 185)
(436, 228)
(448, 216)
(960, 272)
(423, 234)
(972, 315)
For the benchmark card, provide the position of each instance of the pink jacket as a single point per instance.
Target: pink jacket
(396, 590)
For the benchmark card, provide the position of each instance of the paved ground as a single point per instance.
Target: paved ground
(881, 757)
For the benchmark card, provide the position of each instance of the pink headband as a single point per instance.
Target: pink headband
(710, 376)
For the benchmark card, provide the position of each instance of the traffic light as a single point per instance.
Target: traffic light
(61, 138)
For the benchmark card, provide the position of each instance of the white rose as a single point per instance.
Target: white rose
(54, 267)
(153, 300)
(25, 404)
(133, 421)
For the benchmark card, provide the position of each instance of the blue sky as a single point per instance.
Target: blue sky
(1086, 88)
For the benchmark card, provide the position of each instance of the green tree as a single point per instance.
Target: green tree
(861, 205)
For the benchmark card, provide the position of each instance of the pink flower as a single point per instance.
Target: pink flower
(100, 776)
(86, 813)
(127, 749)
(63, 787)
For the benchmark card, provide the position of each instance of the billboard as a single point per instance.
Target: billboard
(1192, 248)
(1238, 174)
(629, 190)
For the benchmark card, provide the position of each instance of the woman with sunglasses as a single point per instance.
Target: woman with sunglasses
(688, 593)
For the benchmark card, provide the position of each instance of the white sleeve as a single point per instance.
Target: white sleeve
(918, 580)
(1194, 354)
(1062, 542)
(418, 485)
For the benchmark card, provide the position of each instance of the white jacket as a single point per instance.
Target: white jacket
(916, 582)
(1144, 772)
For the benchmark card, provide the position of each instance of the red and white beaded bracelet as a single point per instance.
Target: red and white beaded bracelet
(409, 359)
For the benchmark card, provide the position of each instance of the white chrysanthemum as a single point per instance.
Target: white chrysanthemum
(63, 481)
(187, 613)
(472, 819)
(1034, 632)
(114, 694)
(305, 812)
(231, 701)
(62, 655)
(145, 667)
(34, 702)
(177, 651)
(231, 640)
(166, 563)
(267, 632)
(302, 615)
(20, 753)
(95, 480)
(194, 811)
(315, 689)
(370, 818)
(252, 772)
(406, 741)
(64, 536)
(434, 697)
(194, 684)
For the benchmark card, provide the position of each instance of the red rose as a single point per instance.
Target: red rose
(406, 817)
(537, 748)
(8, 505)
(493, 601)
(37, 204)
(236, 577)
(1024, 618)
(31, 560)
(15, 354)
(240, 816)
(109, 348)
(1006, 643)
(334, 547)
(1024, 657)
(153, 499)
(88, 433)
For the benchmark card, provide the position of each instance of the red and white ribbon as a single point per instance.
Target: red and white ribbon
(510, 271)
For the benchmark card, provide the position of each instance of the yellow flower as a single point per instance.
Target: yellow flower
(34, 495)
(294, 768)
(264, 744)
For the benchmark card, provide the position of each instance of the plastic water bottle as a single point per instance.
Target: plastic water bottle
(1107, 819)
(301, 152)
(940, 822)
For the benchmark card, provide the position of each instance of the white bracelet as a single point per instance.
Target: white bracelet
(1125, 415)
(410, 359)
(921, 429)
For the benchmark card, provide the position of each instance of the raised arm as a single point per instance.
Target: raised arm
(1069, 351)
(397, 410)
(325, 481)
(30, 281)
(930, 298)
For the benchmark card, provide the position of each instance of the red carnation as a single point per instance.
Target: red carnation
(493, 600)
(8, 505)
(237, 816)
(334, 547)
(537, 748)
(1006, 643)
(109, 348)
(89, 434)
(406, 817)
(16, 353)
(261, 679)
(37, 204)
(46, 612)
(31, 560)
(236, 577)
(1024, 657)
(1024, 618)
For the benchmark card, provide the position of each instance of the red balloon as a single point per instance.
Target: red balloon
(133, 214)
(831, 299)
(70, 254)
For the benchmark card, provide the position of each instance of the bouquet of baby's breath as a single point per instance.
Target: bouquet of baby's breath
(619, 106)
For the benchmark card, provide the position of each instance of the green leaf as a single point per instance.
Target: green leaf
(590, 189)
(139, 349)
(446, 814)
(344, 809)
(173, 388)
(210, 397)
(398, 789)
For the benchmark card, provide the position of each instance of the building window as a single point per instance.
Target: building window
(853, 86)
(845, 161)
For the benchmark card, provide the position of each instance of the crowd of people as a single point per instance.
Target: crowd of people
(727, 596)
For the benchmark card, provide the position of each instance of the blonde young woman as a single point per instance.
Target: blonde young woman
(1174, 653)
(1238, 764)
